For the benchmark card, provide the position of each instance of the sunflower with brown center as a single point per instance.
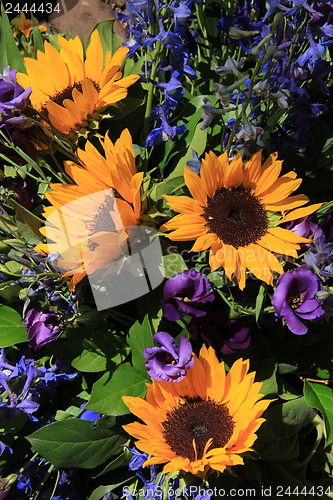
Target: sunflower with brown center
(87, 221)
(69, 88)
(205, 421)
(236, 210)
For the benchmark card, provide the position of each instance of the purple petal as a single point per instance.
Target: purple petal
(292, 322)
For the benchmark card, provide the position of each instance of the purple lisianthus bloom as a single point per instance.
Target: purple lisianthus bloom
(42, 327)
(306, 229)
(295, 299)
(168, 362)
(185, 293)
(12, 97)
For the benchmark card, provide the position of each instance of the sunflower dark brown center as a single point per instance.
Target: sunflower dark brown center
(101, 219)
(199, 420)
(236, 216)
(67, 93)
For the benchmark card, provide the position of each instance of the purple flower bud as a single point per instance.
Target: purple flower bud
(42, 327)
(295, 297)
(184, 293)
(168, 362)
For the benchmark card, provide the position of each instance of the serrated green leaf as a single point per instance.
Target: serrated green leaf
(139, 337)
(12, 329)
(76, 443)
(320, 396)
(108, 390)
(9, 52)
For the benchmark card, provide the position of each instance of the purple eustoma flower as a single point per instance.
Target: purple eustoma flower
(168, 362)
(295, 299)
(306, 229)
(42, 327)
(12, 97)
(185, 293)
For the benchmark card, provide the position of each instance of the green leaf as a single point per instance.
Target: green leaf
(120, 461)
(9, 52)
(320, 396)
(260, 300)
(278, 437)
(89, 350)
(12, 329)
(37, 37)
(173, 264)
(108, 390)
(139, 337)
(110, 40)
(27, 223)
(101, 491)
(76, 443)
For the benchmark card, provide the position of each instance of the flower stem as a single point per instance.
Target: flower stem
(248, 97)
(149, 105)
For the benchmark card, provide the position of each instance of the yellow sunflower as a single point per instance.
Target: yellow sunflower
(69, 88)
(205, 421)
(86, 219)
(236, 212)
(25, 25)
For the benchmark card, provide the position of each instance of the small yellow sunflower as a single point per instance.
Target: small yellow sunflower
(70, 89)
(235, 212)
(25, 25)
(86, 219)
(205, 421)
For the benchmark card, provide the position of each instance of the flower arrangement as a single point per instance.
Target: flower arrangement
(166, 269)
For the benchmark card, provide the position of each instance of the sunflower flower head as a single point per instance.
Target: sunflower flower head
(206, 421)
(87, 221)
(25, 25)
(236, 212)
(71, 89)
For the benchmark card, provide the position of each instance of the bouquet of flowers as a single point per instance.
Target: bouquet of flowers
(166, 262)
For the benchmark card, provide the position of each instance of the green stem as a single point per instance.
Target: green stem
(55, 484)
(150, 96)
(25, 466)
(248, 98)
(42, 482)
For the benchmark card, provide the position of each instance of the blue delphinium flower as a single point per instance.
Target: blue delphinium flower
(156, 487)
(50, 378)
(179, 41)
(90, 415)
(23, 398)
